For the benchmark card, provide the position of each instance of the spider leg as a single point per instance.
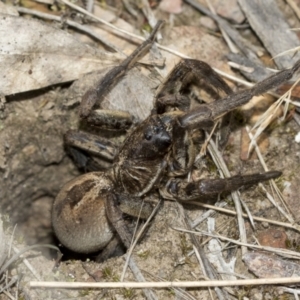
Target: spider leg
(179, 101)
(90, 98)
(91, 143)
(116, 205)
(208, 188)
(134, 206)
(114, 215)
(85, 149)
(86, 162)
(212, 111)
(174, 82)
(168, 96)
(114, 248)
(183, 152)
(81, 144)
(180, 76)
(110, 119)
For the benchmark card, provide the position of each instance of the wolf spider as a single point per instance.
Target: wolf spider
(156, 155)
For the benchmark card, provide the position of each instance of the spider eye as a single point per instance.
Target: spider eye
(148, 136)
(156, 129)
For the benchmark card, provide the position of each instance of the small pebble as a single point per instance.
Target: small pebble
(297, 137)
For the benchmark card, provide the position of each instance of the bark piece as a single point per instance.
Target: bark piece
(269, 24)
(253, 71)
(269, 266)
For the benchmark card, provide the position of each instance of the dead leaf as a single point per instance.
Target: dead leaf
(34, 55)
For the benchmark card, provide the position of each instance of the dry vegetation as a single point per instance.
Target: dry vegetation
(52, 52)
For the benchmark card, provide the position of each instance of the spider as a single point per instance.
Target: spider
(88, 213)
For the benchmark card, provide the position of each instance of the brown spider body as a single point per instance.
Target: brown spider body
(136, 168)
(156, 155)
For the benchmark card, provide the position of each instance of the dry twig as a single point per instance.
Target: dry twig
(167, 284)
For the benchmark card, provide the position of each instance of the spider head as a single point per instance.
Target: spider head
(155, 133)
(149, 141)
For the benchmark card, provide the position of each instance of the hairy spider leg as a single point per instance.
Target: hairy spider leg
(91, 143)
(169, 96)
(201, 70)
(117, 204)
(110, 119)
(210, 188)
(86, 162)
(199, 116)
(113, 248)
(91, 97)
(115, 216)
(90, 152)
(169, 92)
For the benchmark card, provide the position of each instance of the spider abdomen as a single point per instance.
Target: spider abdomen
(78, 214)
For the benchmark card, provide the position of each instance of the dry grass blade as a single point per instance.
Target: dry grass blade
(6, 263)
(246, 208)
(227, 39)
(167, 284)
(286, 52)
(109, 25)
(268, 116)
(287, 214)
(137, 237)
(207, 139)
(207, 214)
(10, 284)
(205, 265)
(150, 295)
(258, 219)
(237, 66)
(182, 294)
(130, 262)
(17, 255)
(129, 8)
(147, 11)
(282, 252)
(296, 292)
(3, 245)
(218, 159)
(89, 5)
(294, 5)
(247, 48)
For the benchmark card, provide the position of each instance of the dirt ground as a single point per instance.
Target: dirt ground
(34, 165)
